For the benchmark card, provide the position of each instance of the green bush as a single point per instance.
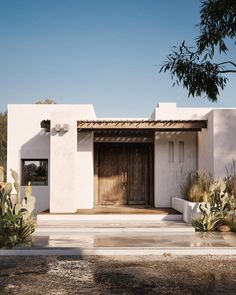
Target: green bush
(17, 218)
(14, 229)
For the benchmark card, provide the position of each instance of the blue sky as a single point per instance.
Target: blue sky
(104, 52)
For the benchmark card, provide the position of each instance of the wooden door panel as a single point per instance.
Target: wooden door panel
(139, 175)
(109, 191)
(114, 162)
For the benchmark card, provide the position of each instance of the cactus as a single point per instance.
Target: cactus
(217, 205)
(5, 201)
(1, 174)
(17, 220)
(28, 203)
(15, 176)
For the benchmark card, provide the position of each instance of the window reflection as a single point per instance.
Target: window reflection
(35, 171)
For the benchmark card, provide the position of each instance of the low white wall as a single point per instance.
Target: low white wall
(189, 209)
(178, 204)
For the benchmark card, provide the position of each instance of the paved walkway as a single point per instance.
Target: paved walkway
(122, 238)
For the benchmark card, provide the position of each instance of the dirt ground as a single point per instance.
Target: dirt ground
(117, 275)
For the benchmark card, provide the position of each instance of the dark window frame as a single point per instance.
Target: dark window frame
(23, 181)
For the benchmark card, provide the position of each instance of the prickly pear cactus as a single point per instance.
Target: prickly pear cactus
(1, 174)
(17, 219)
(15, 176)
(28, 190)
(5, 201)
(213, 212)
(27, 204)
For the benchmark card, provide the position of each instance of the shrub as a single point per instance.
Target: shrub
(194, 185)
(17, 219)
(217, 205)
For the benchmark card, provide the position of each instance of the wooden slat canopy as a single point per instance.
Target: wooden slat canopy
(151, 125)
(135, 125)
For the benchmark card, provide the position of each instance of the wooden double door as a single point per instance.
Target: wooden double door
(124, 174)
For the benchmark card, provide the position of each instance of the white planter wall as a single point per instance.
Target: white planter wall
(189, 209)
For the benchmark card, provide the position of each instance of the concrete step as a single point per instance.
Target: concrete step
(74, 227)
(110, 217)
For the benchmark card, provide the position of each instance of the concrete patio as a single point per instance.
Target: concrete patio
(124, 238)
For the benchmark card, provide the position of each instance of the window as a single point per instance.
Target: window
(35, 171)
(181, 152)
(171, 151)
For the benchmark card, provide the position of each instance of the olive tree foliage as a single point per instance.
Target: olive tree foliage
(195, 67)
(45, 101)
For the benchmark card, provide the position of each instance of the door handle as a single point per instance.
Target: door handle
(124, 177)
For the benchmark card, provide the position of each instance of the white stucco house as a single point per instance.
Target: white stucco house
(75, 160)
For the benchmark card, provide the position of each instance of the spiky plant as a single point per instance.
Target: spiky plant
(16, 220)
(217, 205)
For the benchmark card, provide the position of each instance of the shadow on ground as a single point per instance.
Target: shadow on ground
(117, 275)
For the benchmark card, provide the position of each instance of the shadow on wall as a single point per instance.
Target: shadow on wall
(84, 141)
(224, 140)
(38, 147)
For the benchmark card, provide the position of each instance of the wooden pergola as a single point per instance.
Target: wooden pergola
(144, 125)
(136, 125)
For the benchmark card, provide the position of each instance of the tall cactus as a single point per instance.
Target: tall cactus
(15, 176)
(27, 204)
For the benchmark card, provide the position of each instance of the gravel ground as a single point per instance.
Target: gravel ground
(117, 275)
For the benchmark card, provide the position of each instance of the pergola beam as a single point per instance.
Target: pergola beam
(136, 125)
(160, 125)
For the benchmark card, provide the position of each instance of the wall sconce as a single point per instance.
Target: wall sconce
(65, 127)
(58, 127)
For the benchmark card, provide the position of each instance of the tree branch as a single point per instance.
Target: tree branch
(226, 71)
(227, 62)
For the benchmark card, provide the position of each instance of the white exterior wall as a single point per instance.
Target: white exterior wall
(26, 139)
(167, 176)
(85, 171)
(206, 146)
(71, 158)
(224, 140)
(217, 143)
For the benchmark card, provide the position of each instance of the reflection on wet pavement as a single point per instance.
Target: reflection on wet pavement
(116, 240)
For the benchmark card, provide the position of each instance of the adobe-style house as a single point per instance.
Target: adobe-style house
(75, 160)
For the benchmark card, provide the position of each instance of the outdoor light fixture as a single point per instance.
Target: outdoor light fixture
(65, 127)
(58, 127)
